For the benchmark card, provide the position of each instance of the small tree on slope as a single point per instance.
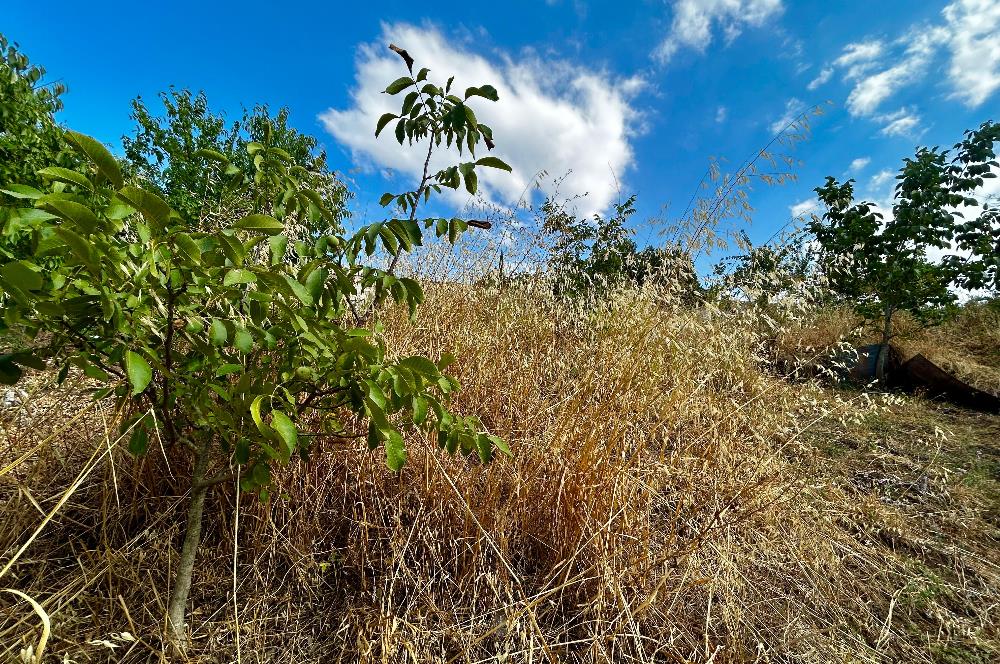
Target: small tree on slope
(213, 339)
(884, 266)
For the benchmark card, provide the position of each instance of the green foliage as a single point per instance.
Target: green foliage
(33, 148)
(171, 155)
(590, 256)
(433, 113)
(883, 265)
(211, 335)
(978, 237)
(211, 290)
(765, 273)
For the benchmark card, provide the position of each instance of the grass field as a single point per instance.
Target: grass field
(674, 496)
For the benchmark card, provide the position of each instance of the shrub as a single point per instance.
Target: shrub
(213, 339)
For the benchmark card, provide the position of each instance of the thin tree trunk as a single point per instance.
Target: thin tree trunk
(177, 608)
(883, 351)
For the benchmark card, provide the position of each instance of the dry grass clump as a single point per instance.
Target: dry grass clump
(968, 345)
(662, 505)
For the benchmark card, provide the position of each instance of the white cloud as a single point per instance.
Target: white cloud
(880, 179)
(901, 123)
(552, 115)
(720, 114)
(871, 90)
(974, 42)
(694, 21)
(803, 208)
(859, 57)
(969, 37)
(793, 108)
(859, 164)
(821, 78)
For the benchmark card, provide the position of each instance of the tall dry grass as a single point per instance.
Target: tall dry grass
(658, 508)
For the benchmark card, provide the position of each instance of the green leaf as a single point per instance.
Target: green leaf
(386, 199)
(239, 276)
(470, 116)
(154, 209)
(409, 101)
(243, 341)
(214, 155)
(29, 359)
(383, 121)
(484, 448)
(487, 91)
(21, 191)
(500, 444)
(187, 244)
(315, 283)
(227, 369)
(376, 394)
(419, 410)
(420, 365)
(399, 85)
(65, 175)
(138, 442)
(260, 223)
(79, 246)
(278, 243)
(255, 414)
(447, 359)
(493, 162)
(286, 430)
(23, 275)
(218, 333)
(395, 451)
(106, 164)
(139, 371)
(81, 216)
(242, 452)
(299, 290)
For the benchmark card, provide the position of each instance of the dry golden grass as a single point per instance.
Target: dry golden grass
(671, 499)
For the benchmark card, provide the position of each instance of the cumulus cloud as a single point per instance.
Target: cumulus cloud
(974, 41)
(552, 116)
(859, 164)
(720, 114)
(695, 22)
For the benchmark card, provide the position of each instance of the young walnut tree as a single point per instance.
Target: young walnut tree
(226, 341)
(883, 266)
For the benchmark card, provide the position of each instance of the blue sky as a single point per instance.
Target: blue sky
(642, 92)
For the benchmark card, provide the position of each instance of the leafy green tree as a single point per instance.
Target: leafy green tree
(883, 265)
(31, 141)
(169, 153)
(590, 256)
(212, 339)
(767, 272)
(978, 237)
